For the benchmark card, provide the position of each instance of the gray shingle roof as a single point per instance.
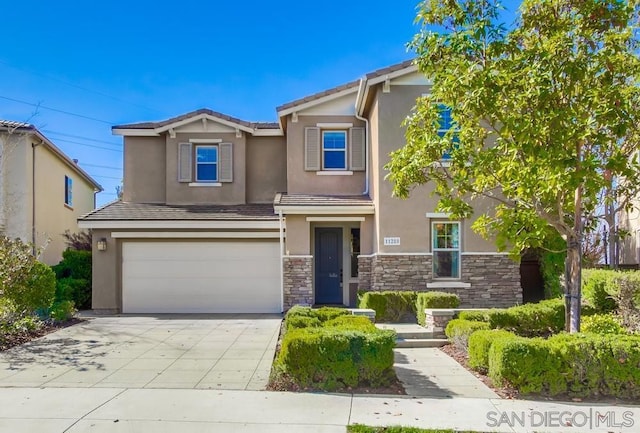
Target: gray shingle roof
(322, 200)
(160, 124)
(12, 124)
(121, 211)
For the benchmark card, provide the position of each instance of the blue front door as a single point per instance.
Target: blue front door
(328, 265)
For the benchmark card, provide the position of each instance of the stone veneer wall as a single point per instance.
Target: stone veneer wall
(298, 283)
(494, 278)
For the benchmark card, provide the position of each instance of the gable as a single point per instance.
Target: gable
(204, 125)
(340, 106)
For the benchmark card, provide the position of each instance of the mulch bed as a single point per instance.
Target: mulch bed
(16, 339)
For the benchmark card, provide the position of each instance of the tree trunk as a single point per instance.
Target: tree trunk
(573, 283)
(573, 266)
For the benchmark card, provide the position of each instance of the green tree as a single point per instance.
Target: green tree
(545, 117)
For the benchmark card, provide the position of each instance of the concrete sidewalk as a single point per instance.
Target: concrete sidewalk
(74, 410)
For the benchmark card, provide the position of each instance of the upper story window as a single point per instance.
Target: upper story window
(334, 150)
(446, 124)
(206, 163)
(68, 191)
(445, 239)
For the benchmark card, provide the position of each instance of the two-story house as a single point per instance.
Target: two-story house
(42, 190)
(224, 215)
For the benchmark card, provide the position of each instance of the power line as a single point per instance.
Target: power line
(106, 177)
(102, 166)
(48, 131)
(89, 145)
(68, 113)
(115, 98)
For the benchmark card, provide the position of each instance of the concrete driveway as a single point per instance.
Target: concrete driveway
(159, 351)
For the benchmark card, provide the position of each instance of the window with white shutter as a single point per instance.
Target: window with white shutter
(226, 162)
(357, 148)
(185, 162)
(312, 149)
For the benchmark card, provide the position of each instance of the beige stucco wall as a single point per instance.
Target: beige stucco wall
(106, 277)
(630, 245)
(266, 168)
(144, 169)
(228, 193)
(15, 179)
(405, 218)
(52, 216)
(300, 181)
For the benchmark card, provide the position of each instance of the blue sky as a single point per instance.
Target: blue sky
(122, 62)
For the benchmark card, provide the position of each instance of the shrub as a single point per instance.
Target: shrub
(330, 358)
(434, 300)
(62, 310)
(297, 322)
(35, 292)
(602, 324)
(459, 330)
(76, 290)
(543, 318)
(479, 344)
(598, 286)
(577, 364)
(74, 278)
(74, 264)
(390, 306)
(360, 323)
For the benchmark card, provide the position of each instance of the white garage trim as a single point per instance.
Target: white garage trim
(241, 276)
(196, 235)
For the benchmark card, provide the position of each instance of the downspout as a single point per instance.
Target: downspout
(281, 262)
(33, 197)
(359, 96)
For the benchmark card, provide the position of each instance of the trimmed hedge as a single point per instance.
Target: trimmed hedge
(479, 344)
(434, 300)
(304, 317)
(528, 320)
(600, 287)
(390, 306)
(338, 352)
(602, 324)
(577, 364)
(459, 330)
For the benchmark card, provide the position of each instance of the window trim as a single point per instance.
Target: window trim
(345, 150)
(196, 163)
(434, 249)
(68, 191)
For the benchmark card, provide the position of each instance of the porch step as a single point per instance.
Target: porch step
(420, 342)
(412, 335)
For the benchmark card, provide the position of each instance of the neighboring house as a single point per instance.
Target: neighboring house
(630, 244)
(42, 190)
(224, 215)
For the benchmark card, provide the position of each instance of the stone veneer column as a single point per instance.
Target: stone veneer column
(495, 281)
(298, 284)
(364, 272)
(400, 272)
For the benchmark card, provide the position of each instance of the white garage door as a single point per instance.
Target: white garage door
(201, 277)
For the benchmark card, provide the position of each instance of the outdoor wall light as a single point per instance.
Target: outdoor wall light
(102, 244)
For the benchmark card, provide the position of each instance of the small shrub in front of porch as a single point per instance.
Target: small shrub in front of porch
(390, 306)
(340, 352)
(458, 331)
(426, 300)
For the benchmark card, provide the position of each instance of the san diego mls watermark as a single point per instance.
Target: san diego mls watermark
(580, 419)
